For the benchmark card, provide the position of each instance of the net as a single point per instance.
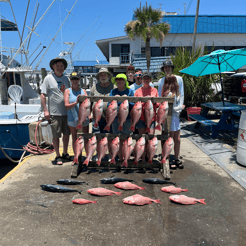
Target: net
(15, 93)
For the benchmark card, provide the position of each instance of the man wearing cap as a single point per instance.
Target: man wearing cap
(53, 87)
(130, 71)
(138, 80)
(178, 106)
(102, 88)
(146, 91)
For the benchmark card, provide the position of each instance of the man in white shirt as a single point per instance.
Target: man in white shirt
(53, 87)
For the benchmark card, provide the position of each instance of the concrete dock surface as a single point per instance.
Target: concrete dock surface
(32, 216)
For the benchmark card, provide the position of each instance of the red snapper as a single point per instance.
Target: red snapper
(84, 112)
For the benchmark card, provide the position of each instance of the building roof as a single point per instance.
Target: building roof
(89, 63)
(207, 23)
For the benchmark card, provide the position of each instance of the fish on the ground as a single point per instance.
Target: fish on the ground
(69, 181)
(127, 149)
(139, 200)
(135, 115)
(114, 149)
(149, 114)
(83, 201)
(90, 149)
(172, 189)
(138, 150)
(103, 192)
(151, 149)
(57, 188)
(157, 181)
(166, 149)
(113, 180)
(97, 111)
(122, 114)
(128, 186)
(186, 200)
(78, 147)
(111, 113)
(84, 112)
(102, 148)
(161, 115)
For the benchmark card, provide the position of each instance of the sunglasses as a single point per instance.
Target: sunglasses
(74, 78)
(138, 75)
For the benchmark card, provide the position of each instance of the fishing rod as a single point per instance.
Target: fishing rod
(69, 12)
(32, 30)
(87, 41)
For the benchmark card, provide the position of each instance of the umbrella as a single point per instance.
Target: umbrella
(217, 62)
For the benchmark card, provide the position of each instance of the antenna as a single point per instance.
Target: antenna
(184, 8)
(160, 5)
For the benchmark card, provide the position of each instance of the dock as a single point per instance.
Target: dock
(32, 216)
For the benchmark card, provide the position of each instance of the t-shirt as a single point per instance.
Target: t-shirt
(134, 86)
(128, 92)
(178, 101)
(98, 90)
(150, 91)
(54, 87)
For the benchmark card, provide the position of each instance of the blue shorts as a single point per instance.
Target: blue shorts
(126, 126)
(75, 123)
(101, 124)
(141, 124)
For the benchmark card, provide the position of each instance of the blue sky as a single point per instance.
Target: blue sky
(109, 18)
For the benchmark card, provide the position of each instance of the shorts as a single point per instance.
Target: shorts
(126, 126)
(141, 124)
(75, 123)
(59, 126)
(175, 123)
(101, 124)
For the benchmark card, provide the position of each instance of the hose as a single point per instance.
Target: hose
(36, 150)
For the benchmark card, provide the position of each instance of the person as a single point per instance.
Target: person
(178, 106)
(138, 80)
(130, 71)
(122, 89)
(71, 99)
(53, 87)
(146, 91)
(102, 88)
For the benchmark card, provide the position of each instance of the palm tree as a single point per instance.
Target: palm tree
(148, 24)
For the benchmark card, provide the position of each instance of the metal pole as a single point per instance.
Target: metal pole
(54, 36)
(6, 68)
(195, 27)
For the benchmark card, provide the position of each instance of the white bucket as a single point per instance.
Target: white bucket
(46, 132)
(241, 140)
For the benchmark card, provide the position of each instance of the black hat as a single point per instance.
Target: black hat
(57, 59)
(75, 75)
(146, 74)
(167, 62)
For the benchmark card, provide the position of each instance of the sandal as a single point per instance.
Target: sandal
(58, 160)
(179, 164)
(66, 157)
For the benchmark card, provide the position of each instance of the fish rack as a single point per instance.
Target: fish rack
(156, 164)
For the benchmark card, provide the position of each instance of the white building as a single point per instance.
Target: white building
(218, 31)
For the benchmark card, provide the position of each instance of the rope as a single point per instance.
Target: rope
(36, 150)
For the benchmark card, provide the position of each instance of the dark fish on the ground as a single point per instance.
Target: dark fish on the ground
(57, 188)
(114, 180)
(157, 181)
(69, 182)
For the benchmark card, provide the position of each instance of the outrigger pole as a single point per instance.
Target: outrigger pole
(32, 30)
(69, 12)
